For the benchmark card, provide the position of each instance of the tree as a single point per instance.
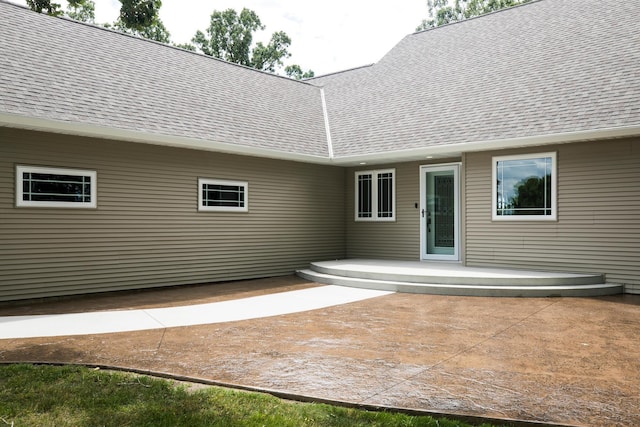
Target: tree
(296, 72)
(141, 18)
(230, 37)
(45, 6)
(82, 10)
(269, 57)
(447, 11)
(532, 193)
(139, 14)
(157, 31)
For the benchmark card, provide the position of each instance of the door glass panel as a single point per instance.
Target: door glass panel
(443, 217)
(440, 215)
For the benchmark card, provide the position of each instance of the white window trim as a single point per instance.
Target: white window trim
(20, 170)
(554, 188)
(374, 195)
(244, 184)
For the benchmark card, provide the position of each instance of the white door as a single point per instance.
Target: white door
(439, 212)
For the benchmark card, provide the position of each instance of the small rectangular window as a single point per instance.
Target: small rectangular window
(55, 187)
(375, 195)
(385, 195)
(524, 187)
(221, 195)
(365, 192)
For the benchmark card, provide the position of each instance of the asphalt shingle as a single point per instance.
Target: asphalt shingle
(544, 68)
(62, 70)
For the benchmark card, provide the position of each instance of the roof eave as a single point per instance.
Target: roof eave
(425, 153)
(95, 131)
(456, 150)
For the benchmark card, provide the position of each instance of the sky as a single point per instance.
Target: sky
(327, 36)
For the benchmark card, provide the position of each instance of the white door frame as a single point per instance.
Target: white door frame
(423, 208)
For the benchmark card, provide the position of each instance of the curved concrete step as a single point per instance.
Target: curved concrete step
(495, 290)
(449, 273)
(455, 279)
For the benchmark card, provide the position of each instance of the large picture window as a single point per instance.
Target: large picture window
(524, 187)
(55, 187)
(222, 195)
(375, 195)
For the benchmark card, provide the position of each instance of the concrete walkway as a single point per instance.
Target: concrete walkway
(558, 360)
(102, 322)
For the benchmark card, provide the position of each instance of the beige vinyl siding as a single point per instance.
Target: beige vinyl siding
(598, 226)
(388, 240)
(147, 230)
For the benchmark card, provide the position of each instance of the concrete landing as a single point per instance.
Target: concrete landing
(455, 279)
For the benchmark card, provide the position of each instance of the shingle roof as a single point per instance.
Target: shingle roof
(62, 70)
(548, 67)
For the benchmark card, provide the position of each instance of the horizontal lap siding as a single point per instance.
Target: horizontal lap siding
(147, 232)
(388, 240)
(598, 226)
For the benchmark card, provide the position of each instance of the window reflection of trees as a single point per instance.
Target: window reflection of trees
(532, 196)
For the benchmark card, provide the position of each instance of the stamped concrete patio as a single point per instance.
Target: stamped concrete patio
(558, 360)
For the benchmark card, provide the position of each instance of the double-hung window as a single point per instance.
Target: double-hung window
(222, 195)
(55, 187)
(524, 187)
(375, 195)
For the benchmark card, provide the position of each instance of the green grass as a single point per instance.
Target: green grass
(77, 396)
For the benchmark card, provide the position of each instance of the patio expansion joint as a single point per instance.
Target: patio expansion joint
(159, 322)
(164, 332)
(466, 350)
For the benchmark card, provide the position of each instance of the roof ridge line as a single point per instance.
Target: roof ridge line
(493, 12)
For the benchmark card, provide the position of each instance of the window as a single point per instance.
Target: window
(55, 187)
(524, 187)
(218, 195)
(375, 195)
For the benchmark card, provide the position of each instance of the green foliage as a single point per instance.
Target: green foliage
(295, 72)
(156, 31)
(47, 396)
(443, 12)
(45, 6)
(269, 57)
(82, 10)
(139, 14)
(230, 37)
(141, 18)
